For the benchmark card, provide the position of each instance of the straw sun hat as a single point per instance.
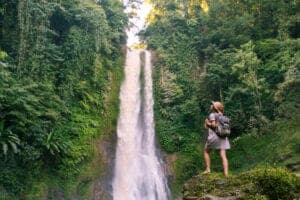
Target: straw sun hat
(218, 106)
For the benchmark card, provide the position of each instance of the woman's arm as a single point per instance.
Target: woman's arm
(210, 123)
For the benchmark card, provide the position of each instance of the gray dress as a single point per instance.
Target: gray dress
(213, 140)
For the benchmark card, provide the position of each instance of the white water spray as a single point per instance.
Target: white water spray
(138, 173)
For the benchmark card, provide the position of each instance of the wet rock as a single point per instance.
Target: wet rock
(284, 157)
(294, 166)
(221, 183)
(211, 197)
(192, 198)
(101, 187)
(55, 193)
(168, 165)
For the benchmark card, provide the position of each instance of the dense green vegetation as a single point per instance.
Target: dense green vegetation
(60, 69)
(243, 53)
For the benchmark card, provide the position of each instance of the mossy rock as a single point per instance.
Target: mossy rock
(258, 184)
(214, 186)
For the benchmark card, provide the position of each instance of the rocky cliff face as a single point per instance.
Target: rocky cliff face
(102, 186)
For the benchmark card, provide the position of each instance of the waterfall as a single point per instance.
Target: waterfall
(138, 173)
(138, 170)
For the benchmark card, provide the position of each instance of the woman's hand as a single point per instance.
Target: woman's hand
(210, 124)
(206, 122)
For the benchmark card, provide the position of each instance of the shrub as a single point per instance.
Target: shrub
(276, 183)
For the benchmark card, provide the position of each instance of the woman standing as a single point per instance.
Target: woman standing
(213, 140)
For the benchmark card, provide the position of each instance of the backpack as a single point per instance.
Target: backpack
(223, 126)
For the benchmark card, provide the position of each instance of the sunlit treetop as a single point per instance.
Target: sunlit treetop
(184, 7)
(204, 6)
(140, 45)
(197, 3)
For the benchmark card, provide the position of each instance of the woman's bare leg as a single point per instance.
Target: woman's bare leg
(224, 161)
(207, 160)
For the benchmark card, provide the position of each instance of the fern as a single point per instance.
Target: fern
(8, 140)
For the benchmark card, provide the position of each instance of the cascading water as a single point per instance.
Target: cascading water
(138, 173)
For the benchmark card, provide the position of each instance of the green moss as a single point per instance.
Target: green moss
(257, 197)
(3, 55)
(37, 191)
(185, 166)
(258, 184)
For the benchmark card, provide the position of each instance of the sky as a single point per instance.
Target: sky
(138, 21)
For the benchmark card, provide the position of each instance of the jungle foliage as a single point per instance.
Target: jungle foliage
(243, 53)
(57, 59)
